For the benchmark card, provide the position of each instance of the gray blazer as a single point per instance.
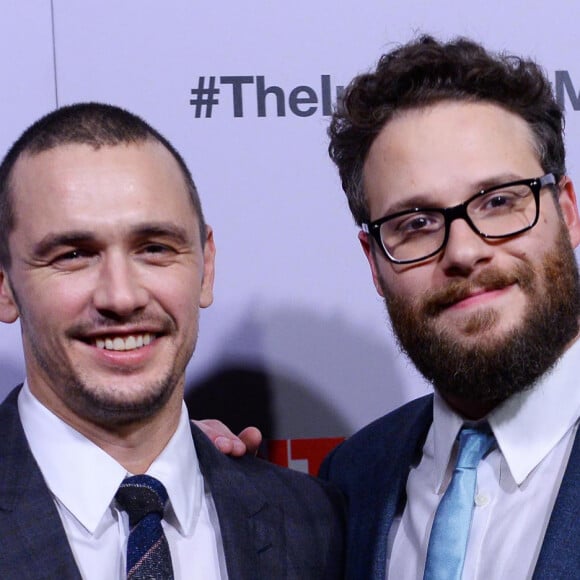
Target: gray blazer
(372, 467)
(275, 523)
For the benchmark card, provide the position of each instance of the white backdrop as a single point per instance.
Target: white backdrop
(296, 322)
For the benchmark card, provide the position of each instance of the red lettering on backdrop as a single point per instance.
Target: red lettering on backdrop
(282, 451)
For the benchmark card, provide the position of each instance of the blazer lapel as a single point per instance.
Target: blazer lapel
(252, 530)
(559, 556)
(560, 553)
(389, 495)
(371, 468)
(34, 543)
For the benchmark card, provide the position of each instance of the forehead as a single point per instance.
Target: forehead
(446, 152)
(89, 186)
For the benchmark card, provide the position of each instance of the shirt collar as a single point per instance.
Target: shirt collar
(526, 427)
(177, 467)
(530, 424)
(446, 426)
(85, 479)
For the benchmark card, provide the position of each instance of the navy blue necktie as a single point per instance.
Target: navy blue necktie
(450, 530)
(148, 557)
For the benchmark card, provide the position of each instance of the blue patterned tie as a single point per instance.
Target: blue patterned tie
(450, 530)
(148, 557)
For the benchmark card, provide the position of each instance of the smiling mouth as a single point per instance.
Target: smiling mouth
(122, 343)
(482, 294)
(460, 296)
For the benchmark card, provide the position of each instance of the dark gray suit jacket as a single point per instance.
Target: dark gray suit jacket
(275, 523)
(372, 467)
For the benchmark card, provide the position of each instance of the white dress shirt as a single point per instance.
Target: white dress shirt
(517, 483)
(83, 480)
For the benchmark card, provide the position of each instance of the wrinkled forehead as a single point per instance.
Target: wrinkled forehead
(81, 183)
(55, 168)
(446, 152)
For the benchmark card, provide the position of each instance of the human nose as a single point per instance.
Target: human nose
(119, 291)
(465, 250)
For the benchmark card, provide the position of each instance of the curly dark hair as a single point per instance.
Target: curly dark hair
(94, 124)
(426, 71)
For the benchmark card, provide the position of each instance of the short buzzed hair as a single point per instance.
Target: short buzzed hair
(94, 124)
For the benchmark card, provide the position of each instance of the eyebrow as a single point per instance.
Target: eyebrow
(51, 241)
(425, 200)
(76, 238)
(163, 230)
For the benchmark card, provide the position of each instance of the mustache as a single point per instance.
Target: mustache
(162, 325)
(435, 301)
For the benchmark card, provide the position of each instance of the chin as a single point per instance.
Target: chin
(122, 401)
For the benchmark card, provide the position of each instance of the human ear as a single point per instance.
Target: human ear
(8, 307)
(206, 296)
(366, 244)
(569, 209)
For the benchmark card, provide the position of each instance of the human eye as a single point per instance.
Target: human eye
(156, 252)
(498, 200)
(71, 259)
(417, 224)
(502, 200)
(156, 248)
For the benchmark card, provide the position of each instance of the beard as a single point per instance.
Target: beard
(110, 404)
(490, 369)
(90, 402)
(106, 405)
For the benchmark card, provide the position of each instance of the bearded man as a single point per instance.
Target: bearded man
(453, 163)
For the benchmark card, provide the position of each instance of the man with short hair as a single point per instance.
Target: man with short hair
(105, 258)
(453, 163)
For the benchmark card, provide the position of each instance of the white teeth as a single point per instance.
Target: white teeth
(124, 343)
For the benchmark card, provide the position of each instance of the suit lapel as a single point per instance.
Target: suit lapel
(371, 468)
(34, 543)
(560, 553)
(252, 530)
(389, 500)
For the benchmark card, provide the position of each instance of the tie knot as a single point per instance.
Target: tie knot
(474, 443)
(141, 495)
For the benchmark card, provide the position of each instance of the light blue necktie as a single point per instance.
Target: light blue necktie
(450, 530)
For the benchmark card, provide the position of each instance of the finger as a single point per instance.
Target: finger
(251, 438)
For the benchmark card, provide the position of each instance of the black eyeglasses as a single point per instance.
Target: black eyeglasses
(501, 211)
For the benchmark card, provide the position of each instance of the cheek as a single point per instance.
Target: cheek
(409, 282)
(47, 311)
(533, 247)
(179, 297)
(53, 302)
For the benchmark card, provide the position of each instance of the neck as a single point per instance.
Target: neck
(137, 445)
(472, 410)
(133, 444)
(475, 410)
